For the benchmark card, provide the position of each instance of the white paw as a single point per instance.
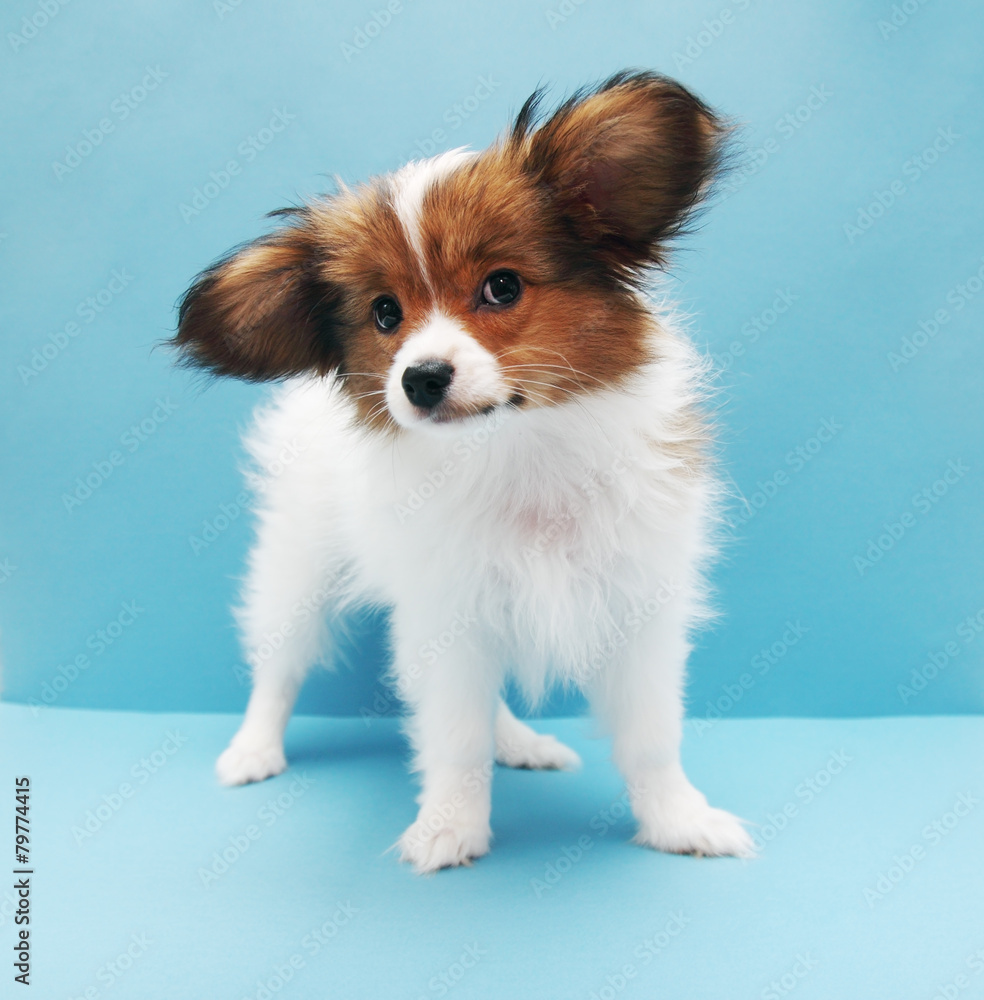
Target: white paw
(241, 763)
(432, 842)
(537, 751)
(683, 823)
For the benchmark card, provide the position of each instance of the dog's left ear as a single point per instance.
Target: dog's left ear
(625, 164)
(265, 311)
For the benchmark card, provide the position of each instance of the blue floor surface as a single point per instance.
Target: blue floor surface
(151, 881)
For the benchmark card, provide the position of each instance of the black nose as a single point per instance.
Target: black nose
(426, 383)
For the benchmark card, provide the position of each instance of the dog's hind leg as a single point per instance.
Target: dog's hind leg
(517, 745)
(640, 699)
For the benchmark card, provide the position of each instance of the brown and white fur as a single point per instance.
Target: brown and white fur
(485, 426)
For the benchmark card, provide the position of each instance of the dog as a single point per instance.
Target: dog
(486, 425)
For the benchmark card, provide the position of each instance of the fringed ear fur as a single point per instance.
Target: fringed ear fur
(263, 312)
(625, 165)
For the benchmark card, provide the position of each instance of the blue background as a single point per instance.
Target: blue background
(558, 909)
(778, 227)
(834, 839)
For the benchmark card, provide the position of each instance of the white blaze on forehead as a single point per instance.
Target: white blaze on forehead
(444, 339)
(411, 184)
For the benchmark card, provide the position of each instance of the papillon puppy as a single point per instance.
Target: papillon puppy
(485, 426)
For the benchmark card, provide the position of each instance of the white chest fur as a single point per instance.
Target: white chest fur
(553, 530)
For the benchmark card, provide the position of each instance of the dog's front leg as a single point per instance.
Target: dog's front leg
(283, 632)
(639, 696)
(452, 693)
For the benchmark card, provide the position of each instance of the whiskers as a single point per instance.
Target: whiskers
(378, 408)
(565, 374)
(382, 378)
(566, 381)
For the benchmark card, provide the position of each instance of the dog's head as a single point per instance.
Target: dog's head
(471, 281)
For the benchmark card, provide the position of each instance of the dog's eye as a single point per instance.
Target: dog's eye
(501, 288)
(387, 313)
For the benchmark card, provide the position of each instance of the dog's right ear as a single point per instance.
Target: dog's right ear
(264, 311)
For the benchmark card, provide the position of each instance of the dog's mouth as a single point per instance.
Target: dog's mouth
(450, 412)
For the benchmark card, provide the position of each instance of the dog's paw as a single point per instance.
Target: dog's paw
(433, 842)
(684, 823)
(241, 763)
(535, 751)
(519, 745)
